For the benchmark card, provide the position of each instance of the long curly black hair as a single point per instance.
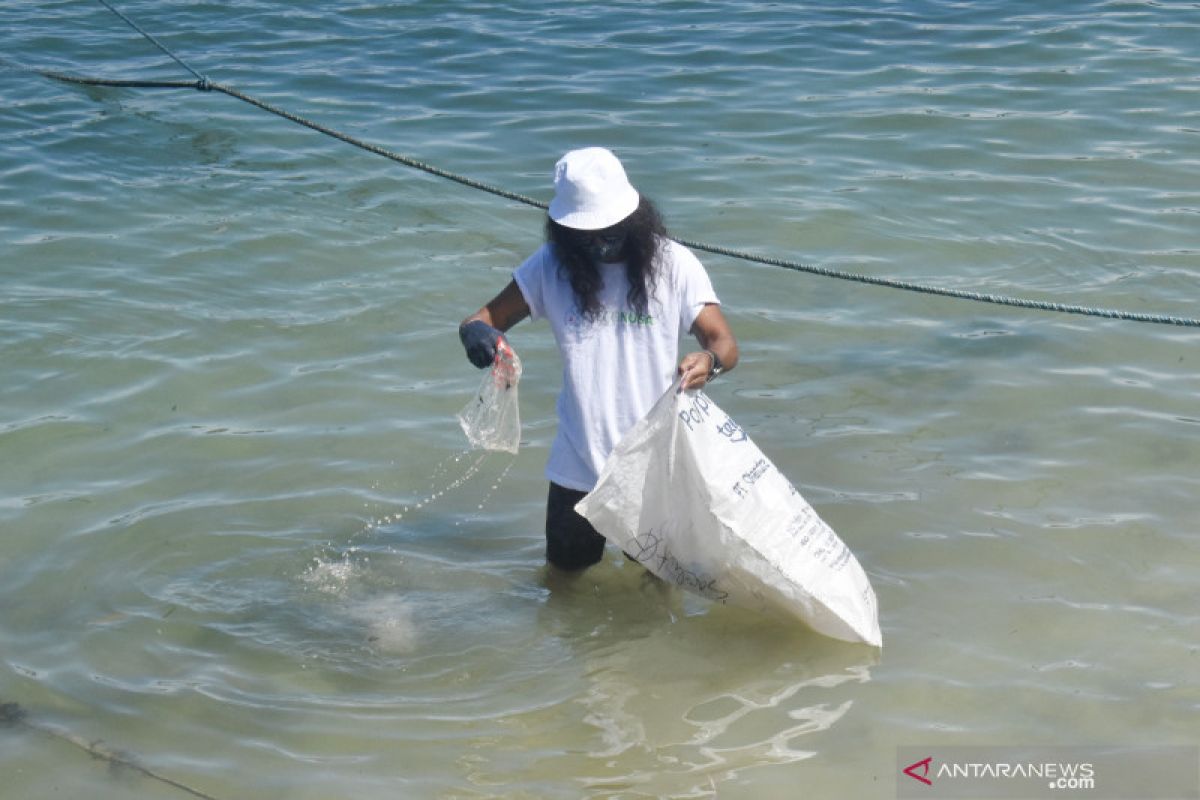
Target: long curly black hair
(645, 235)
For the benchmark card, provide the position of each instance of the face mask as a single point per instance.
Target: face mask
(604, 246)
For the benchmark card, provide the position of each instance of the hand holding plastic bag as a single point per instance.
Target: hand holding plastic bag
(492, 420)
(691, 497)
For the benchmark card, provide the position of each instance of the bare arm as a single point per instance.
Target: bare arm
(713, 333)
(504, 310)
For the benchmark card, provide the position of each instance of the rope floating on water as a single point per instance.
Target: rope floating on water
(202, 83)
(960, 294)
(14, 715)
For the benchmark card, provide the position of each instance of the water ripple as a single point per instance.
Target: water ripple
(232, 490)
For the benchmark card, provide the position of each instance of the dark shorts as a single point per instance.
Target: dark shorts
(571, 541)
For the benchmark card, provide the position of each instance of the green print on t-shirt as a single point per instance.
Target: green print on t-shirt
(609, 316)
(634, 318)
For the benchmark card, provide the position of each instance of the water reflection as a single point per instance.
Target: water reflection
(677, 695)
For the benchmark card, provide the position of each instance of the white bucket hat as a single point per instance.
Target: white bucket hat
(591, 191)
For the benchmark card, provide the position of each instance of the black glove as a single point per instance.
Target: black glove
(480, 340)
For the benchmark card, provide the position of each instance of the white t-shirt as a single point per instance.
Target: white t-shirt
(619, 362)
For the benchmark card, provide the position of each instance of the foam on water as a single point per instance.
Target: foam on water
(346, 576)
(391, 622)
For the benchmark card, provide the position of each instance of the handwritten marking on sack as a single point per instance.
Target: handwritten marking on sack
(651, 549)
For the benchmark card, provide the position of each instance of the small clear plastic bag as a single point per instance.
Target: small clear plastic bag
(492, 420)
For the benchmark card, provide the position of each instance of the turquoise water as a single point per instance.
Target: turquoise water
(243, 541)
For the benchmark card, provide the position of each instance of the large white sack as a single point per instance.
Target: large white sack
(690, 496)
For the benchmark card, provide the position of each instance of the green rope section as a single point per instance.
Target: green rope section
(204, 84)
(14, 715)
(960, 294)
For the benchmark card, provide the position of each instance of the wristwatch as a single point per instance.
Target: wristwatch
(717, 366)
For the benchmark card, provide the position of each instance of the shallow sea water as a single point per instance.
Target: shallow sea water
(242, 541)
